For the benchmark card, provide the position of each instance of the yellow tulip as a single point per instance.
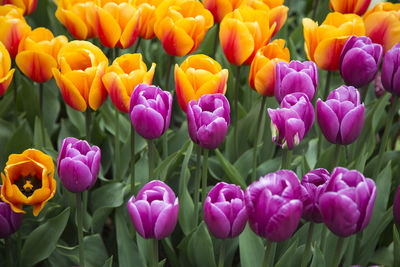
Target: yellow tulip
(350, 6)
(28, 6)
(6, 74)
(147, 17)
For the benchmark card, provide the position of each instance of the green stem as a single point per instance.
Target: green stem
(222, 253)
(327, 84)
(117, 147)
(338, 252)
(357, 246)
(363, 92)
(204, 179)
(260, 116)
(8, 251)
(337, 154)
(41, 112)
(315, 7)
(267, 254)
(15, 95)
(236, 111)
(138, 41)
(385, 137)
(197, 185)
(80, 228)
(323, 239)
(115, 52)
(216, 40)
(165, 144)
(87, 124)
(150, 157)
(19, 247)
(155, 252)
(132, 161)
(286, 156)
(307, 249)
(169, 67)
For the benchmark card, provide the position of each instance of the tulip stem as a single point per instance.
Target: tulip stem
(197, 185)
(327, 84)
(222, 253)
(80, 227)
(8, 251)
(15, 96)
(286, 155)
(204, 173)
(386, 132)
(236, 111)
(155, 252)
(117, 148)
(323, 239)
(216, 40)
(41, 112)
(150, 158)
(132, 161)
(260, 116)
(87, 124)
(268, 250)
(338, 252)
(137, 45)
(315, 7)
(307, 249)
(169, 66)
(337, 154)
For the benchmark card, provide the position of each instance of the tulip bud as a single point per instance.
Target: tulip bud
(390, 74)
(78, 164)
(6, 74)
(361, 56)
(396, 207)
(208, 120)
(10, 221)
(292, 121)
(154, 212)
(296, 77)
(28, 6)
(224, 211)
(150, 110)
(147, 17)
(347, 204)
(350, 6)
(273, 205)
(341, 116)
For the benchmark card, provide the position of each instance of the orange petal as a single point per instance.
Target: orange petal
(328, 52)
(5, 81)
(310, 39)
(383, 28)
(75, 25)
(117, 91)
(107, 28)
(36, 65)
(184, 89)
(131, 31)
(97, 93)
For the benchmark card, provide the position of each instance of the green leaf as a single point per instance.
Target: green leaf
(42, 241)
(108, 262)
(38, 139)
(20, 140)
(95, 251)
(396, 248)
(318, 258)
(251, 248)
(201, 247)
(287, 258)
(77, 118)
(230, 170)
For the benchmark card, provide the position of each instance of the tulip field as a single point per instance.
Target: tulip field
(208, 133)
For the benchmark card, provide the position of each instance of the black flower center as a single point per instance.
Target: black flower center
(27, 185)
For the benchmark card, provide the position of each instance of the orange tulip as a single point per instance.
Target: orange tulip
(13, 28)
(6, 74)
(28, 179)
(28, 6)
(82, 66)
(219, 8)
(38, 53)
(198, 75)
(74, 14)
(382, 24)
(147, 17)
(277, 13)
(350, 6)
(324, 43)
(115, 23)
(123, 75)
(243, 32)
(262, 70)
(181, 25)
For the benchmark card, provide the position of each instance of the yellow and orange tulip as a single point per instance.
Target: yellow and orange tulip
(28, 6)
(181, 25)
(123, 75)
(243, 32)
(349, 6)
(219, 8)
(324, 43)
(382, 24)
(37, 54)
(13, 28)
(198, 75)
(262, 69)
(6, 74)
(147, 17)
(74, 15)
(28, 179)
(82, 66)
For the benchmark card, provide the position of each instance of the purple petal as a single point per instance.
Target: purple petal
(352, 124)
(75, 175)
(328, 121)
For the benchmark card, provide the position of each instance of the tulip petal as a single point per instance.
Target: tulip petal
(239, 223)
(117, 91)
(131, 31)
(166, 221)
(97, 93)
(212, 135)
(352, 125)
(107, 28)
(217, 222)
(147, 122)
(75, 25)
(184, 89)
(328, 121)
(5, 82)
(75, 175)
(36, 65)
(327, 53)
(136, 217)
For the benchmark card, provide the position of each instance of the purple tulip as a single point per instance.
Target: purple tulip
(150, 110)
(391, 70)
(154, 212)
(292, 121)
(224, 211)
(10, 221)
(359, 61)
(396, 207)
(314, 184)
(78, 164)
(347, 204)
(296, 77)
(208, 120)
(341, 116)
(273, 205)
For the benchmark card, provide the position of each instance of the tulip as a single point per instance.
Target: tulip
(28, 179)
(396, 207)
(126, 72)
(314, 184)
(150, 110)
(273, 205)
(37, 54)
(292, 121)
(154, 212)
(224, 211)
(361, 56)
(350, 6)
(346, 205)
(147, 17)
(208, 120)
(382, 24)
(296, 77)
(13, 28)
(74, 15)
(28, 6)
(262, 69)
(243, 32)
(181, 25)
(219, 8)
(390, 74)
(6, 74)
(324, 43)
(341, 116)
(198, 75)
(78, 164)
(9, 220)
(82, 68)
